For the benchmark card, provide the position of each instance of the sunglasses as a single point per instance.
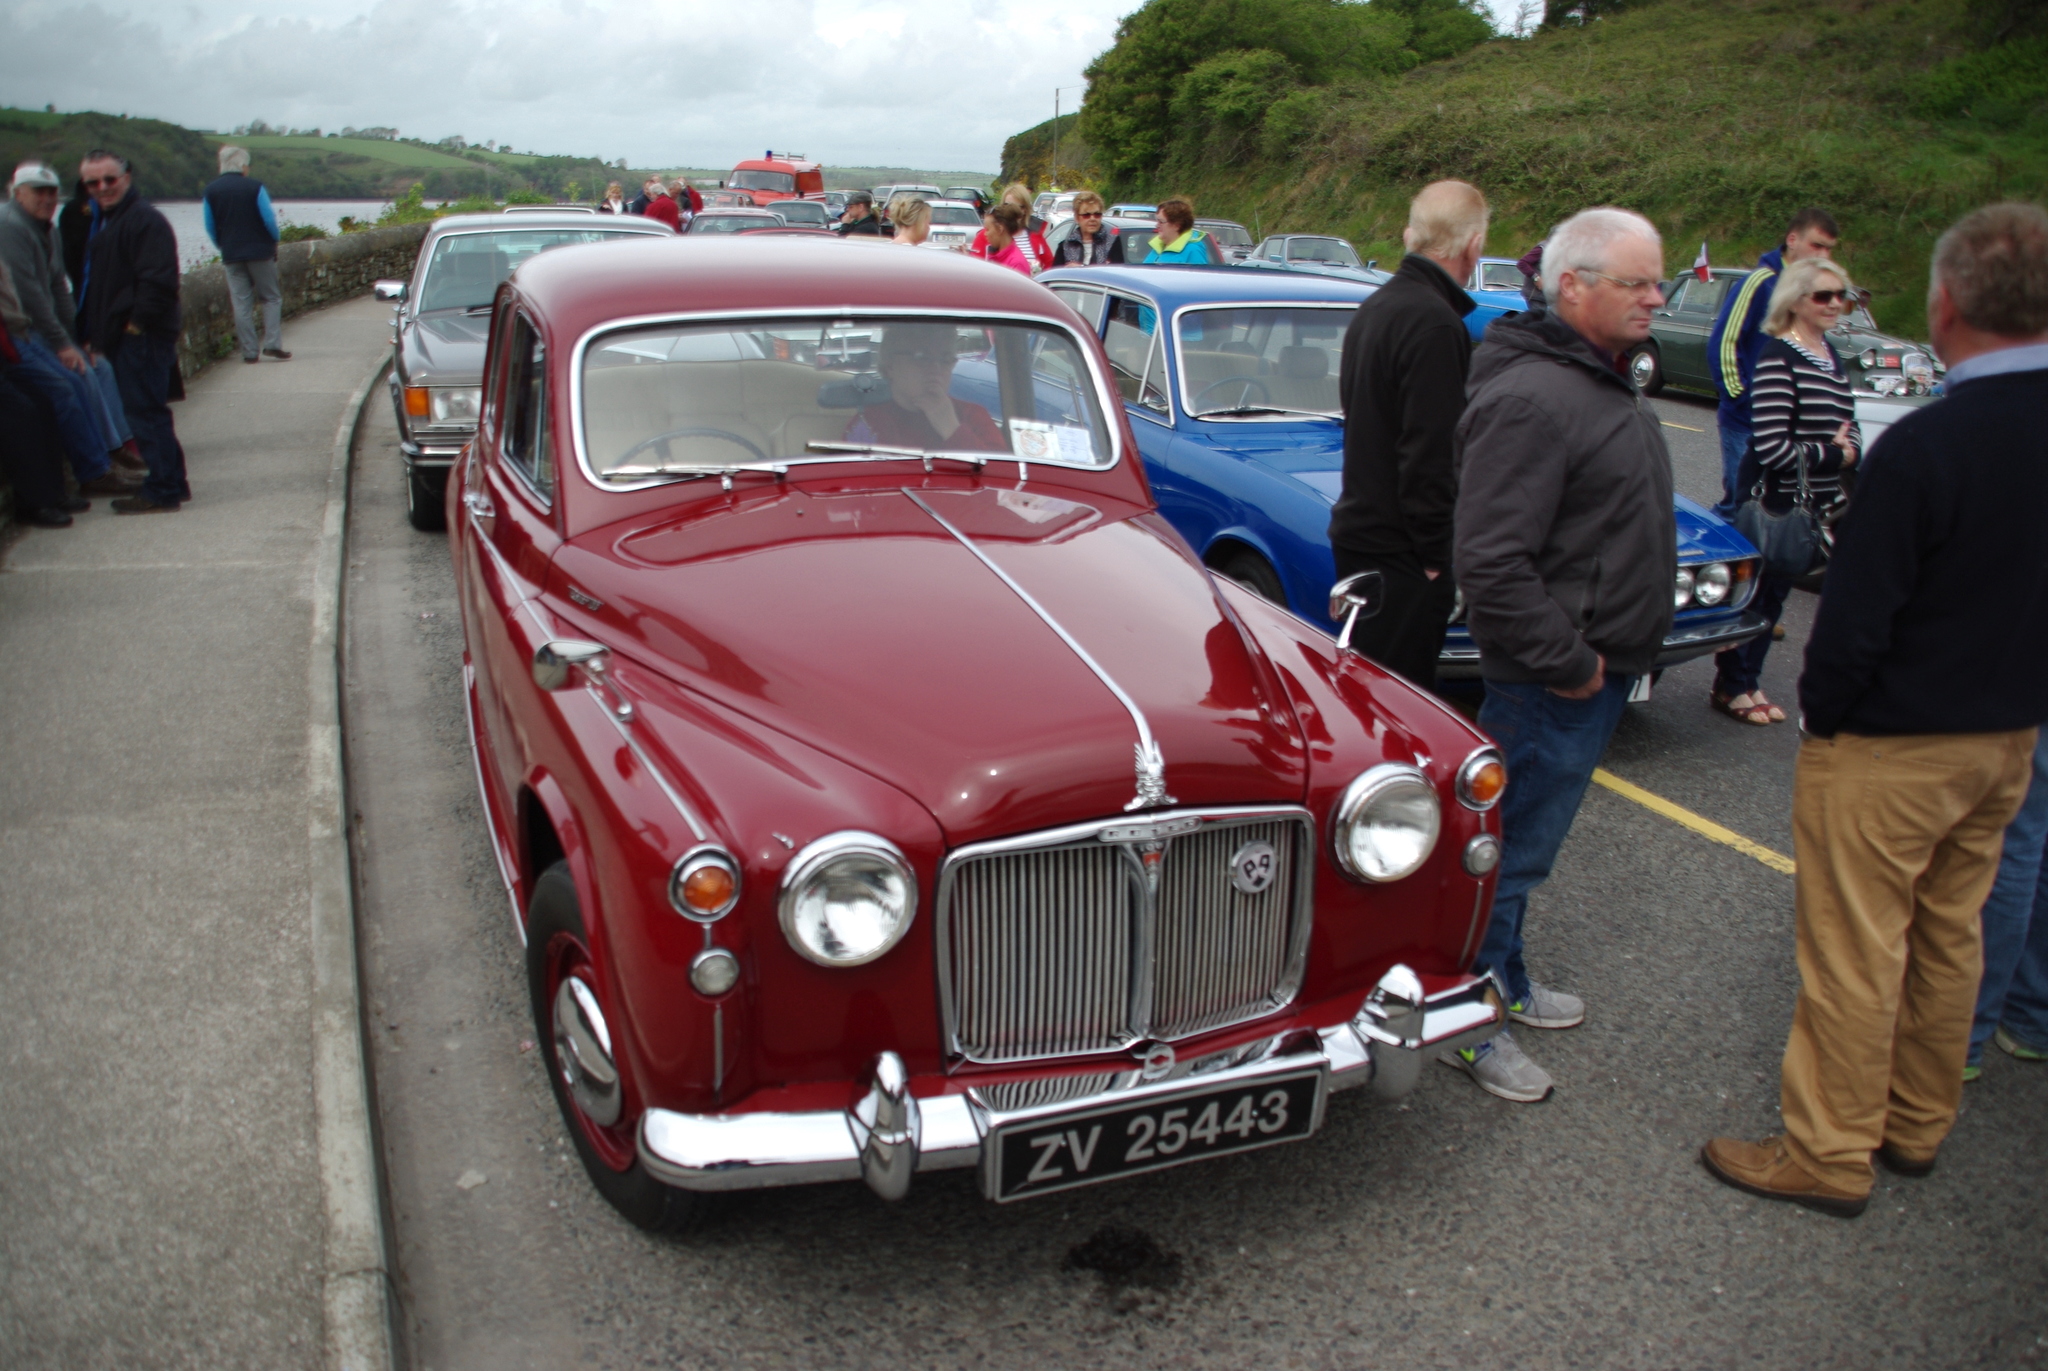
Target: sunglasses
(1089, 214)
(95, 184)
(1828, 297)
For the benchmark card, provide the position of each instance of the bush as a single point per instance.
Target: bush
(2000, 87)
(1294, 120)
(299, 233)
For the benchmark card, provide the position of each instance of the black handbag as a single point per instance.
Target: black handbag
(1791, 542)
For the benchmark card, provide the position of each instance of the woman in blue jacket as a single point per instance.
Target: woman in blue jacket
(1178, 240)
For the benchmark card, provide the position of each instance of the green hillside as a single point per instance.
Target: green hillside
(1717, 118)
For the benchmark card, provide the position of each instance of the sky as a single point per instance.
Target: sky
(934, 84)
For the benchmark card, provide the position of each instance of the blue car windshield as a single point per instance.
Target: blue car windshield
(1333, 250)
(1262, 360)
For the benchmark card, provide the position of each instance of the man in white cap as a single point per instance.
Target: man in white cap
(88, 411)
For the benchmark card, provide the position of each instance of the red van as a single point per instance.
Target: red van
(777, 176)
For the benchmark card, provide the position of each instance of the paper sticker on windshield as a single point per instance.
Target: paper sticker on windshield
(1031, 440)
(1075, 444)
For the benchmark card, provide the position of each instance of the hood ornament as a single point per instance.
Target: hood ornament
(1151, 778)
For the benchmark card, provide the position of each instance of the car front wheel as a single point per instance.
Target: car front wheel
(1254, 573)
(1646, 368)
(575, 1043)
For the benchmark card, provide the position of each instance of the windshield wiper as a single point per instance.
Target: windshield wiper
(1268, 409)
(485, 308)
(974, 459)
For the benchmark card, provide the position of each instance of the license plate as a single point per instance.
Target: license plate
(1061, 1152)
(1640, 691)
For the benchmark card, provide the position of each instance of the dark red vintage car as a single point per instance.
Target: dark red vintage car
(881, 785)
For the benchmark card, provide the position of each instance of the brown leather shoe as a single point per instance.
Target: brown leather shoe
(1901, 1162)
(113, 483)
(1766, 1169)
(142, 504)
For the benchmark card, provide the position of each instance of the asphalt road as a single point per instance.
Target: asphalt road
(1453, 1229)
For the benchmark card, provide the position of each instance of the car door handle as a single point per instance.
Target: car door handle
(478, 503)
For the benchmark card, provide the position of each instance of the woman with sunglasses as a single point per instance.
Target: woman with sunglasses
(1803, 415)
(1093, 243)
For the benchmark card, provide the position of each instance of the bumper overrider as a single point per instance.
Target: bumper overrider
(889, 1133)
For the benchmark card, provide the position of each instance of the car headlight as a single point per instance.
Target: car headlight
(1711, 584)
(1386, 823)
(455, 404)
(1867, 358)
(847, 898)
(1918, 371)
(1681, 588)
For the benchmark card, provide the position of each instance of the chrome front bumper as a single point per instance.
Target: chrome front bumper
(1682, 644)
(890, 1133)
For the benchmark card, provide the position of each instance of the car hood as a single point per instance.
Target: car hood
(1704, 536)
(446, 348)
(857, 622)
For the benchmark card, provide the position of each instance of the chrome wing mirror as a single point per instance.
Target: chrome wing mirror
(389, 290)
(1357, 596)
(552, 663)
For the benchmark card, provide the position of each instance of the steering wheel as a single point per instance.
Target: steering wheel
(694, 432)
(1195, 405)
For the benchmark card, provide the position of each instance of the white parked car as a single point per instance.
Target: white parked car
(954, 224)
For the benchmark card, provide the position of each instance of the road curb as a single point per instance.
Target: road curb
(356, 1281)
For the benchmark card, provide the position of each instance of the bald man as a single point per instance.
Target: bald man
(1402, 380)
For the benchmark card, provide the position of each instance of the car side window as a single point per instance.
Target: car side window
(1704, 297)
(1132, 342)
(526, 444)
(1084, 302)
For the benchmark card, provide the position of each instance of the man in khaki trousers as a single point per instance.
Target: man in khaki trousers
(1925, 678)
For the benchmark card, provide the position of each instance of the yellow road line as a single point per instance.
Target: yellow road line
(1687, 427)
(1776, 861)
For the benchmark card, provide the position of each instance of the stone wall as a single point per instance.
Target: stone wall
(315, 272)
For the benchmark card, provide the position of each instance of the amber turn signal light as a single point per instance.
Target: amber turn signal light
(705, 885)
(1482, 778)
(416, 402)
(707, 889)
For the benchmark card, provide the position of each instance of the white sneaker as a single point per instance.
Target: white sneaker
(1548, 1009)
(1500, 1068)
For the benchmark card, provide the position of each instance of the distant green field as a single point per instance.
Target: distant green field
(376, 149)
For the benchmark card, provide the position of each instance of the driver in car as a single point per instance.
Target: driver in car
(917, 361)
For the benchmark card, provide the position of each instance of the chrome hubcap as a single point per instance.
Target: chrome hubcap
(583, 1050)
(1644, 368)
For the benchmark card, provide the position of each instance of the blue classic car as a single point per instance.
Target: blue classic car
(1234, 402)
(1496, 290)
(1317, 254)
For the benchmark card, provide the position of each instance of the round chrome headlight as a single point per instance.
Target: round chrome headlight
(1711, 583)
(1867, 358)
(847, 899)
(1386, 823)
(1681, 588)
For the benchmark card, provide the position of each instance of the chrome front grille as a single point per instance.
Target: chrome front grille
(1095, 937)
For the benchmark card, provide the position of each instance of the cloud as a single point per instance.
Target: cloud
(662, 84)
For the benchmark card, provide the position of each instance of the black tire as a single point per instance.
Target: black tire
(1254, 573)
(423, 507)
(1647, 367)
(554, 932)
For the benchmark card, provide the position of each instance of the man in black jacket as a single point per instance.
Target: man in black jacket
(130, 314)
(1565, 550)
(1926, 676)
(1402, 381)
(859, 217)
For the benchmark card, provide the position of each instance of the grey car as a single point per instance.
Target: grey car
(443, 320)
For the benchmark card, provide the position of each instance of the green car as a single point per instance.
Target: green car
(1675, 354)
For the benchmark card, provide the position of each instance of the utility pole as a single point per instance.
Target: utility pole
(1053, 172)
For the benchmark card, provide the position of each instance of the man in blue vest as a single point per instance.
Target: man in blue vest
(1738, 334)
(242, 224)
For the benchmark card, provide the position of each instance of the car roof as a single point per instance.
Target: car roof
(526, 223)
(579, 288)
(950, 204)
(1174, 286)
(1232, 222)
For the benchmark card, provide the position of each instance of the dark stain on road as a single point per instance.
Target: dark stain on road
(1125, 1257)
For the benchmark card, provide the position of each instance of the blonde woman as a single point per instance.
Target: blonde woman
(1803, 416)
(614, 201)
(912, 217)
(1029, 240)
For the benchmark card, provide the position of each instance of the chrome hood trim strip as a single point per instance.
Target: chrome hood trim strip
(1151, 765)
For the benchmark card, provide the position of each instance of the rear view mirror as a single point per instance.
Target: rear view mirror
(1357, 596)
(389, 290)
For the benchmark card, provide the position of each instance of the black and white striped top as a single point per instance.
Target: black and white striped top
(1797, 402)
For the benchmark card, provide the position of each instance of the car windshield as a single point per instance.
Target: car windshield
(763, 180)
(1230, 235)
(1857, 317)
(802, 212)
(1500, 276)
(954, 214)
(684, 400)
(732, 223)
(1258, 361)
(1333, 250)
(962, 193)
(467, 268)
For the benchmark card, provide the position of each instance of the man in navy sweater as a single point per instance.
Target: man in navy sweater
(242, 224)
(1926, 676)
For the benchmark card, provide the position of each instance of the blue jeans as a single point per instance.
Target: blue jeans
(75, 399)
(1552, 745)
(1738, 670)
(143, 366)
(114, 430)
(1734, 443)
(2015, 986)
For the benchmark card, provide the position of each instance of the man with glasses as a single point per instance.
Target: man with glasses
(1565, 548)
(129, 313)
(859, 217)
(1093, 242)
(1738, 335)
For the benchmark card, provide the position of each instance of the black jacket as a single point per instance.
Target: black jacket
(1402, 381)
(132, 276)
(1935, 614)
(1566, 544)
(74, 223)
(1111, 238)
(238, 227)
(870, 223)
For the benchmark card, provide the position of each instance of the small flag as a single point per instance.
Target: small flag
(1699, 266)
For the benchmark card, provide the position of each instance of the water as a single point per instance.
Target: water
(194, 247)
